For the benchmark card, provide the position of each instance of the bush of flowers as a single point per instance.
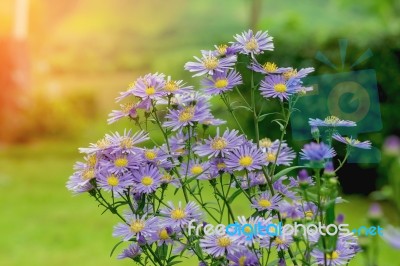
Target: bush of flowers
(203, 169)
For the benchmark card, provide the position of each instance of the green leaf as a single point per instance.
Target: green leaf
(234, 195)
(286, 171)
(115, 246)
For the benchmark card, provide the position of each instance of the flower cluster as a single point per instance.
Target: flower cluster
(208, 173)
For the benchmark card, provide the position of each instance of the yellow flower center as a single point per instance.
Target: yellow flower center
(150, 90)
(150, 155)
(126, 143)
(332, 120)
(242, 260)
(112, 180)
(289, 74)
(178, 214)
(270, 67)
(103, 143)
(196, 170)
(252, 44)
(147, 180)
(127, 107)
(247, 229)
(309, 214)
(186, 114)
(88, 174)
(264, 203)
(221, 49)
(280, 87)
(210, 62)
(270, 157)
(166, 177)
(221, 83)
(221, 166)
(163, 234)
(279, 241)
(333, 256)
(171, 86)
(92, 160)
(219, 143)
(121, 162)
(223, 241)
(265, 143)
(245, 161)
(137, 226)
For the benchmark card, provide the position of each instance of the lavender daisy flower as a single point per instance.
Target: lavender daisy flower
(317, 152)
(126, 143)
(162, 236)
(177, 144)
(119, 163)
(243, 257)
(310, 210)
(275, 86)
(147, 79)
(247, 157)
(352, 142)
(265, 201)
(150, 88)
(248, 43)
(340, 256)
(304, 179)
(267, 68)
(195, 168)
(217, 166)
(219, 245)
(331, 121)
(221, 82)
(252, 179)
(147, 179)
(288, 210)
(250, 237)
(77, 183)
(292, 73)
(132, 252)
(209, 63)
(392, 236)
(285, 156)
(225, 50)
(101, 145)
(175, 86)
(127, 110)
(220, 145)
(167, 178)
(187, 116)
(284, 190)
(116, 183)
(279, 242)
(135, 226)
(157, 157)
(179, 217)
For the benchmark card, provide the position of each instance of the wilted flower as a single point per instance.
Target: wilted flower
(131, 252)
(352, 142)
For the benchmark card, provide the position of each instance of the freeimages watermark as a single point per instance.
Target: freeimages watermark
(262, 229)
(346, 94)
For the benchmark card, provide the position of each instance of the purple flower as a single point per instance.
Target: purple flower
(162, 236)
(304, 179)
(119, 163)
(392, 236)
(127, 110)
(179, 217)
(135, 226)
(131, 252)
(329, 169)
(147, 179)
(150, 79)
(243, 257)
(157, 157)
(248, 43)
(187, 116)
(220, 145)
(317, 152)
(221, 82)
(283, 189)
(267, 68)
(116, 183)
(126, 143)
(219, 245)
(279, 242)
(195, 168)
(340, 256)
(225, 50)
(150, 88)
(391, 145)
(209, 64)
(247, 157)
(352, 142)
(288, 210)
(276, 86)
(252, 179)
(265, 201)
(331, 121)
(285, 156)
(175, 86)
